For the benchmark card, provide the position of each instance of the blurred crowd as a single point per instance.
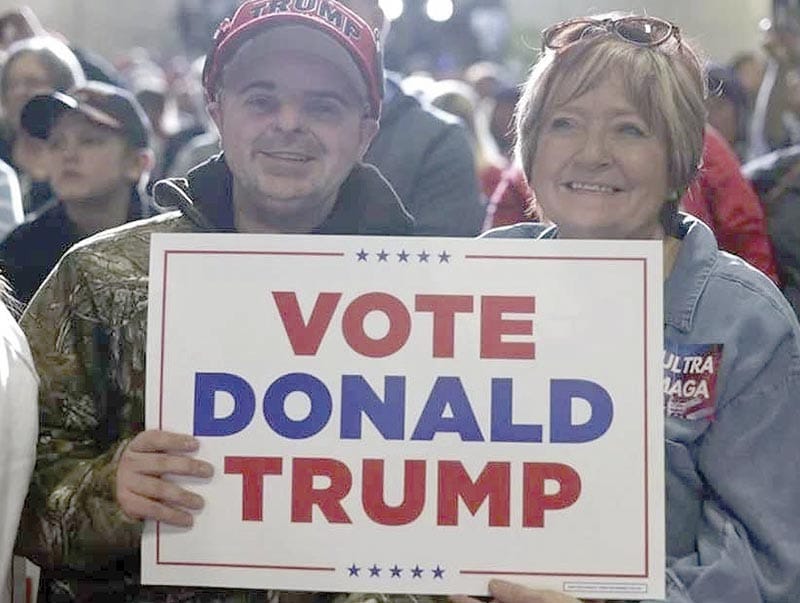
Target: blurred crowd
(464, 154)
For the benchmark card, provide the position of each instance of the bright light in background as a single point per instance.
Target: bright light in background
(393, 9)
(439, 10)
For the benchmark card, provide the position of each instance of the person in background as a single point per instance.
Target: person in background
(500, 112)
(11, 211)
(485, 77)
(18, 430)
(610, 131)
(748, 68)
(729, 206)
(201, 146)
(727, 107)
(428, 160)
(502, 184)
(19, 24)
(510, 199)
(37, 65)
(22, 23)
(153, 89)
(768, 123)
(196, 21)
(98, 139)
(457, 99)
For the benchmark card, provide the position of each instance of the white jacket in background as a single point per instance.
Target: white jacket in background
(11, 212)
(18, 432)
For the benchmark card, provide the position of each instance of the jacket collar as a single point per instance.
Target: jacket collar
(693, 267)
(366, 204)
(690, 274)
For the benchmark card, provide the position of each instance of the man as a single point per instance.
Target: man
(296, 96)
(426, 155)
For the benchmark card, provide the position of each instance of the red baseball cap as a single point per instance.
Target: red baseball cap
(322, 27)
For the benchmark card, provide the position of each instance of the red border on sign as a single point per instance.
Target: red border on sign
(487, 572)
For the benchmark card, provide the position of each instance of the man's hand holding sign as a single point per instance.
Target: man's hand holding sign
(142, 491)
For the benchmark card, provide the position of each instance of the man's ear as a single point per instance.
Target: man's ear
(369, 127)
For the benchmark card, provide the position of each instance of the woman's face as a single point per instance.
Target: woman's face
(26, 78)
(600, 171)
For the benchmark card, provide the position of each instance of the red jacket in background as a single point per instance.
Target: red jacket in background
(723, 199)
(508, 194)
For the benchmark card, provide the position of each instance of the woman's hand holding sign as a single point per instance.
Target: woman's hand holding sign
(142, 490)
(508, 592)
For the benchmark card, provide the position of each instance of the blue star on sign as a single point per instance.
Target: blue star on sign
(382, 256)
(396, 571)
(362, 256)
(423, 257)
(403, 256)
(374, 571)
(438, 573)
(444, 258)
(416, 572)
(353, 570)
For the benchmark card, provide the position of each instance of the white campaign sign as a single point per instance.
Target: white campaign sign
(412, 415)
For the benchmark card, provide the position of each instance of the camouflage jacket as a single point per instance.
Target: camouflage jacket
(87, 332)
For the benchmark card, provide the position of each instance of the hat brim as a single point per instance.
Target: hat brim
(42, 112)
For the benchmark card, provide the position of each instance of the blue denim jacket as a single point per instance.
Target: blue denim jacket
(732, 480)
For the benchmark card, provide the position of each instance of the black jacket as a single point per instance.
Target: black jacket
(32, 249)
(366, 205)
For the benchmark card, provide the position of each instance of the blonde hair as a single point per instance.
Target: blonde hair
(665, 83)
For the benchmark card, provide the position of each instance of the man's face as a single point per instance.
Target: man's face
(292, 127)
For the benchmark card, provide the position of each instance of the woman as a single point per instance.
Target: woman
(33, 66)
(610, 135)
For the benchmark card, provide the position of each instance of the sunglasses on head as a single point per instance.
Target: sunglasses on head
(641, 31)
